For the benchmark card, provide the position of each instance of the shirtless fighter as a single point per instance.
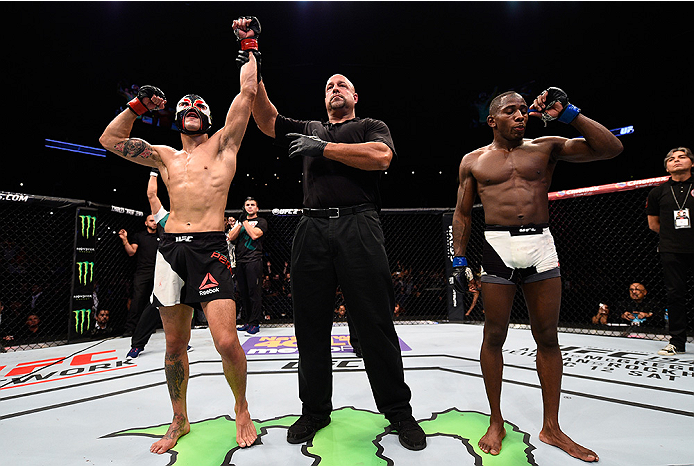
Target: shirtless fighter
(512, 176)
(192, 264)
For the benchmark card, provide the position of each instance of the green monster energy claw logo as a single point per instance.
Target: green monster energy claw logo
(82, 317)
(85, 272)
(88, 225)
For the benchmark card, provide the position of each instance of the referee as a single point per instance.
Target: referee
(339, 241)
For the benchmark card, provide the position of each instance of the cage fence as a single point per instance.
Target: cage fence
(603, 243)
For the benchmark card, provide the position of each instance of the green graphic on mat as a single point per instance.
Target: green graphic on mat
(213, 442)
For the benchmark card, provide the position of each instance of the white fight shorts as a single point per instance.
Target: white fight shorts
(518, 254)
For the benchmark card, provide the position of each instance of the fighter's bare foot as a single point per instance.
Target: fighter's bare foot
(491, 441)
(560, 440)
(246, 434)
(178, 428)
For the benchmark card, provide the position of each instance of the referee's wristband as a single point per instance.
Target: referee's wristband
(459, 261)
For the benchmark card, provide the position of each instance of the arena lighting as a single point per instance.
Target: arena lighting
(618, 131)
(53, 144)
(622, 131)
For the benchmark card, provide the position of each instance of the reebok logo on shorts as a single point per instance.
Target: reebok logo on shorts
(209, 285)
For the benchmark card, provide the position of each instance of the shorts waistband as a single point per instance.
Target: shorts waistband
(192, 236)
(337, 212)
(519, 230)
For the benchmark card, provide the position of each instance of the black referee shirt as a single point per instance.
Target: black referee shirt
(328, 183)
(661, 203)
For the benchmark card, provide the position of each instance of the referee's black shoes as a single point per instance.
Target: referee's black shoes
(410, 434)
(305, 428)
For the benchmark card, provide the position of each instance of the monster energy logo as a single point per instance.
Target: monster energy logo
(88, 225)
(85, 272)
(82, 317)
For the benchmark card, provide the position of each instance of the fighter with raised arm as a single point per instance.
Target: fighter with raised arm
(192, 264)
(512, 176)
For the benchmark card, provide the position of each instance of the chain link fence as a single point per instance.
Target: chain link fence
(37, 253)
(414, 245)
(603, 242)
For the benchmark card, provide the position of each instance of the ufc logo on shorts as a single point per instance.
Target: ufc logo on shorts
(184, 239)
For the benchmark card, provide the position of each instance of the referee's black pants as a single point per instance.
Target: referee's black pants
(347, 251)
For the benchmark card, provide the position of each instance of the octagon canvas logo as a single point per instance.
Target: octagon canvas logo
(354, 436)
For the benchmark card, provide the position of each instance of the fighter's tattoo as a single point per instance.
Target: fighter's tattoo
(134, 148)
(175, 375)
(176, 428)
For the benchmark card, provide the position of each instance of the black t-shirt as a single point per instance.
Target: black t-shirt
(147, 245)
(328, 183)
(248, 249)
(646, 305)
(661, 203)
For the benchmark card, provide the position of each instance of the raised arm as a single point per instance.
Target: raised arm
(240, 111)
(152, 192)
(264, 112)
(598, 143)
(116, 137)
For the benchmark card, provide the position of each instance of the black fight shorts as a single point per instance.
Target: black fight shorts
(192, 268)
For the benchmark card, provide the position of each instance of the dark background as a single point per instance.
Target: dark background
(419, 66)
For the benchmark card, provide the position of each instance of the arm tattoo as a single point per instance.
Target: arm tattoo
(135, 148)
(175, 376)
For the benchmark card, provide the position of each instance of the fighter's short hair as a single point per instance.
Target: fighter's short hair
(495, 104)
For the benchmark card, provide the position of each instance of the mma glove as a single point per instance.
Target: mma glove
(249, 44)
(462, 275)
(568, 112)
(308, 146)
(137, 104)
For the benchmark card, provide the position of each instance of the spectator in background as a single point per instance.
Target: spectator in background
(602, 316)
(638, 307)
(13, 321)
(670, 207)
(32, 332)
(102, 329)
(143, 245)
(397, 311)
(340, 313)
